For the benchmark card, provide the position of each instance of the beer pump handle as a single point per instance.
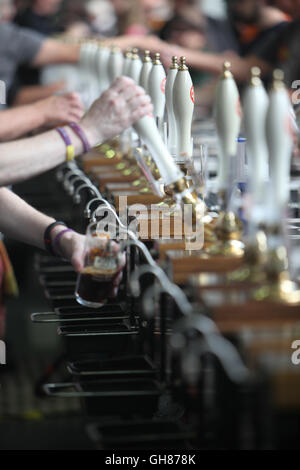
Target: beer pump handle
(88, 54)
(127, 62)
(93, 51)
(280, 140)
(148, 132)
(145, 71)
(183, 104)
(102, 57)
(83, 56)
(172, 133)
(115, 64)
(135, 66)
(228, 121)
(255, 108)
(157, 81)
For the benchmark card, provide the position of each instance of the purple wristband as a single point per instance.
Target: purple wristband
(64, 135)
(77, 129)
(58, 237)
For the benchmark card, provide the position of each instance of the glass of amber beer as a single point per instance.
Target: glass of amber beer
(102, 265)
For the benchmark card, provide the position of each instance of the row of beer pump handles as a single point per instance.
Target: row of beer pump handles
(268, 130)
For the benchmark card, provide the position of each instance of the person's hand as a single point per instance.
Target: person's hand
(71, 246)
(61, 109)
(116, 110)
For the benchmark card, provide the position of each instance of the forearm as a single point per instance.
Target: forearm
(213, 63)
(24, 119)
(56, 52)
(25, 158)
(31, 94)
(20, 221)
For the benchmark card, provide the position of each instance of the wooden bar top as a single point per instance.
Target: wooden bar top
(184, 263)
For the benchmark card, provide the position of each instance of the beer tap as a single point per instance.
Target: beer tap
(141, 246)
(87, 55)
(92, 53)
(89, 186)
(183, 105)
(280, 142)
(228, 227)
(102, 57)
(212, 342)
(83, 56)
(92, 67)
(127, 62)
(135, 66)
(145, 71)
(87, 210)
(69, 174)
(111, 210)
(199, 322)
(255, 105)
(166, 285)
(64, 169)
(170, 172)
(115, 63)
(168, 169)
(172, 132)
(228, 121)
(73, 181)
(157, 81)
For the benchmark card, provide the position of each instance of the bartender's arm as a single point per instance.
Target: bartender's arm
(55, 52)
(116, 110)
(52, 111)
(20, 221)
(213, 63)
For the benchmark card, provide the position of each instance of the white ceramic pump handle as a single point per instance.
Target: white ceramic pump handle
(135, 66)
(127, 63)
(115, 64)
(228, 121)
(102, 68)
(255, 108)
(148, 132)
(145, 71)
(172, 132)
(280, 140)
(157, 81)
(183, 105)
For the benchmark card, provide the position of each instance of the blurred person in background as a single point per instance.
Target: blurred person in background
(253, 25)
(207, 42)
(129, 17)
(41, 16)
(284, 5)
(20, 46)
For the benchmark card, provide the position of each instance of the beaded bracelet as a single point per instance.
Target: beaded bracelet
(70, 147)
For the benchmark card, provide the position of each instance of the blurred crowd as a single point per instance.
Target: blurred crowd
(247, 32)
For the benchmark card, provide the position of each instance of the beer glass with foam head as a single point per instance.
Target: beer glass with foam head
(103, 262)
